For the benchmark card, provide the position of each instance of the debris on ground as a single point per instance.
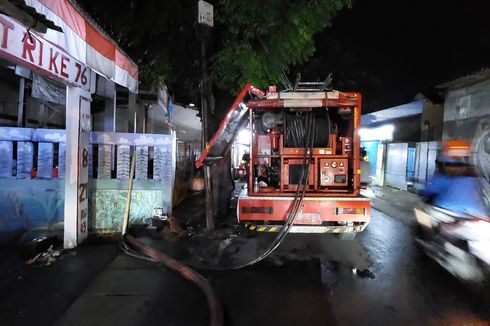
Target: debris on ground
(366, 273)
(175, 226)
(47, 257)
(38, 245)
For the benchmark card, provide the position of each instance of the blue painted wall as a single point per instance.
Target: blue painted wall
(28, 204)
(372, 151)
(35, 199)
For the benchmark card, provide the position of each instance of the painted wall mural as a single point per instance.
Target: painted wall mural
(32, 186)
(28, 204)
(109, 208)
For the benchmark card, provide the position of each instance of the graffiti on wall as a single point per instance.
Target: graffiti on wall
(32, 181)
(39, 204)
(30, 204)
(110, 204)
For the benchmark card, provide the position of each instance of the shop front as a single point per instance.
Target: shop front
(45, 118)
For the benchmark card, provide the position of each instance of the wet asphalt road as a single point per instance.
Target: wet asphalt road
(407, 289)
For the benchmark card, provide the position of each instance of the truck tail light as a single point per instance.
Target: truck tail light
(349, 210)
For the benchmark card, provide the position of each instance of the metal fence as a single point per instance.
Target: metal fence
(111, 156)
(32, 172)
(411, 154)
(396, 165)
(425, 162)
(32, 153)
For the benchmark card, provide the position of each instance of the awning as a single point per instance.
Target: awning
(27, 15)
(397, 112)
(82, 39)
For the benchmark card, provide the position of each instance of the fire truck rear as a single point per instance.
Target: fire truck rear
(304, 172)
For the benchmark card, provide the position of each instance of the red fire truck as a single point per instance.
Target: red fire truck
(304, 172)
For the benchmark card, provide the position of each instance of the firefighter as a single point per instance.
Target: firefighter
(456, 187)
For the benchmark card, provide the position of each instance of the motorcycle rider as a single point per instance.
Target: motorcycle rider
(456, 187)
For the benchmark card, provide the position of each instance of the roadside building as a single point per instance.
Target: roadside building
(397, 139)
(466, 104)
(70, 119)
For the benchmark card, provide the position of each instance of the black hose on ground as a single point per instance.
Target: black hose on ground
(146, 252)
(149, 253)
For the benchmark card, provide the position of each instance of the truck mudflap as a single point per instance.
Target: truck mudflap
(317, 214)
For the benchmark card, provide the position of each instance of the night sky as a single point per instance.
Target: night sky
(391, 50)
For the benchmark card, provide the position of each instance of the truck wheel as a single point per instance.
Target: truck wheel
(347, 236)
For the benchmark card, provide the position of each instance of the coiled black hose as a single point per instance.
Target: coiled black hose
(297, 128)
(308, 142)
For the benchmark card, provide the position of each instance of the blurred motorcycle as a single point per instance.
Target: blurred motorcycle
(459, 243)
(454, 222)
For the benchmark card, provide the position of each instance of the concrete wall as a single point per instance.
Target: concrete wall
(407, 129)
(108, 200)
(30, 204)
(427, 126)
(36, 201)
(432, 121)
(464, 108)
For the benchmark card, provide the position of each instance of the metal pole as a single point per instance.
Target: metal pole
(205, 133)
(204, 111)
(209, 198)
(20, 109)
(41, 115)
(128, 196)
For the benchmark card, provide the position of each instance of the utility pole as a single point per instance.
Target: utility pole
(205, 23)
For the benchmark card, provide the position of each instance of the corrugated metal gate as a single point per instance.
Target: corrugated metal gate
(411, 164)
(396, 165)
(425, 162)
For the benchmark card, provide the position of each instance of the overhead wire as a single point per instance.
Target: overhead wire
(286, 83)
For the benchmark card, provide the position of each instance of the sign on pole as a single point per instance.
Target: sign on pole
(83, 162)
(205, 13)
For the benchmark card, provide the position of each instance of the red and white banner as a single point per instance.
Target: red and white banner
(31, 50)
(87, 43)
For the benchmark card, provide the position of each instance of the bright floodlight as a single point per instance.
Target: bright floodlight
(244, 136)
(384, 132)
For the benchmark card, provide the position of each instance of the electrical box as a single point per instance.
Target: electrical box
(333, 172)
(346, 145)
